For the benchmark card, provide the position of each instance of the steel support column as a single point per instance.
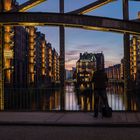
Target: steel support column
(62, 57)
(126, 54)
(62, 48)
(1, 71)
(1, 63)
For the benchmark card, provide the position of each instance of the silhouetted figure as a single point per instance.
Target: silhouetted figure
(100, 82)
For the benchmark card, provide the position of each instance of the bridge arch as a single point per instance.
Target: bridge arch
(70, 20)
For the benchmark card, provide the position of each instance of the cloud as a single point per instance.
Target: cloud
(88, 46)
(98, 46)
(103, 49)
(111, 53)
(72, 55)
(72, 52)
(121, 54)
(71, 59)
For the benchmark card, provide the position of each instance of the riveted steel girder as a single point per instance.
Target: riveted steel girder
(70, 20)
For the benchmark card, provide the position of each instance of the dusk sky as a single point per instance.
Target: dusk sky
(78, 40)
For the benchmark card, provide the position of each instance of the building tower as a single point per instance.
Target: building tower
(31, 55)
(135, 59)
(85, 67)
(49, 62)
(6, 51)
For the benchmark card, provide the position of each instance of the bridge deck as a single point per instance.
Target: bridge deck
(68, 126)
(69, 118)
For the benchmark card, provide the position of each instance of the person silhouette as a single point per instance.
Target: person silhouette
(100, 81)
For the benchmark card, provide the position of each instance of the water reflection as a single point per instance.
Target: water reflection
(71, 101)
(68, 99)
(116, 98)
(32, 99)
(84, 99)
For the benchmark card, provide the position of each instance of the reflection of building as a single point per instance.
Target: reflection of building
(85, 68)
(135, 58)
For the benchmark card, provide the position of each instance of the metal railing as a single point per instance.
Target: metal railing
(69, 99)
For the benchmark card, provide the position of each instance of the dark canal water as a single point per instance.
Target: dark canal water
(69, 99)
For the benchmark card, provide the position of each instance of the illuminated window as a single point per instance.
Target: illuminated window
(32, 77)
(7, 5)
(31, 60)
(31, 69)
(31, 53)
(31, 39)
(86, 79)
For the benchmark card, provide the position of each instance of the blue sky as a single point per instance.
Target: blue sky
(79, 40)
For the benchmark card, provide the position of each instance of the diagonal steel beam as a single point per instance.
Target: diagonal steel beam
(91, 6)
(27, 5)
(135, 0)
(136, 20)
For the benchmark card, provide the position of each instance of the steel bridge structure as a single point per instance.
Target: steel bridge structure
(77, 18)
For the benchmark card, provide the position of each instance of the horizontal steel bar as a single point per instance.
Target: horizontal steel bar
(70, 20)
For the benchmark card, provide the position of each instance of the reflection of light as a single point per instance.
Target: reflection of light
(32, 77)
(81, 87)
(30, 24)
(116, 98)
(70, 99)
(95, 28)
